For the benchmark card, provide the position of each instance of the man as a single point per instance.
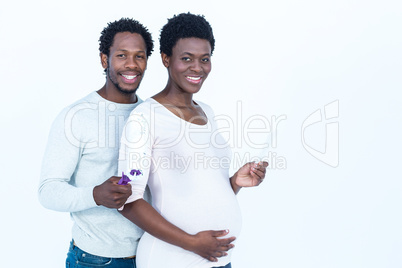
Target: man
(80, 162)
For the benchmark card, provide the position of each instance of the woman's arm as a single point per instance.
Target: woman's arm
(207, 244)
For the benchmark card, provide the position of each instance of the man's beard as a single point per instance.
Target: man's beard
(124, 91)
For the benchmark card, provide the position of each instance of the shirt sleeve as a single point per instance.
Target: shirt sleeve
(60, 160)
(136, 153)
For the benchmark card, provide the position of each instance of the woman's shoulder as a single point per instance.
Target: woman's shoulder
(144, 107)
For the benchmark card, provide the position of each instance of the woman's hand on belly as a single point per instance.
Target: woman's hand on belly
(208, 245)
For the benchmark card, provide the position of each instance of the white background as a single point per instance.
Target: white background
(278, 58)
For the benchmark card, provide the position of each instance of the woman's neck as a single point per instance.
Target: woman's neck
(178, 99)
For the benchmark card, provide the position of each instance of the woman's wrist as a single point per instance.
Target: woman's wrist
(236, 188)
(189, 242)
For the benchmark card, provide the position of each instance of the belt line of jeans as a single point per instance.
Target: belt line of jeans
(129, 257)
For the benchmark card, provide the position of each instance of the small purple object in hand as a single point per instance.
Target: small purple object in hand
(124, 179)
(135, 172)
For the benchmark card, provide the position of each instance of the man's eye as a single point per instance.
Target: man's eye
(140, 57)
(185, 59)
(205, 59)
(121, 56)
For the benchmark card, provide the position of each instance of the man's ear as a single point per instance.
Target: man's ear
(165, 59)
(104, 58)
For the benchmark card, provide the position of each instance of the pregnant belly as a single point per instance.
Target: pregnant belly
(202, 210)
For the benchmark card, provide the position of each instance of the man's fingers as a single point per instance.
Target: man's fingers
(126, 189)
(219, 254)
(213, 259)
(114, 179)
(122, 189)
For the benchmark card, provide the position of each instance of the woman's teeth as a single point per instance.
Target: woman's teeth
(193, 78)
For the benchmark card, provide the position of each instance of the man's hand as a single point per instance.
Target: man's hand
(208, 245)
(111, 194)
(249, 175)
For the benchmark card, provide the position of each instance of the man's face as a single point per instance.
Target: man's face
(126, 63)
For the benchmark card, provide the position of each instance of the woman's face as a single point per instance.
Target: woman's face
(189, 64)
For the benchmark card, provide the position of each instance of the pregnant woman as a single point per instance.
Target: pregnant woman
(174, 141)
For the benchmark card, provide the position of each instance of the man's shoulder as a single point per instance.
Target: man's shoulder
(86, 101)
(81, 110)
(89, 103)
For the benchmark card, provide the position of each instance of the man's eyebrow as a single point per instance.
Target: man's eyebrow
(191, 54)
(125, 50)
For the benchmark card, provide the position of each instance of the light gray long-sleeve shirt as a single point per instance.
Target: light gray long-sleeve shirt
(82, 152)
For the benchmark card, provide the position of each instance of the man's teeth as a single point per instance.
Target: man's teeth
(129, 76)
(193, 78)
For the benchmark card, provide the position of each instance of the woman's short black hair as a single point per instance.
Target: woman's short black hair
(124, 25)
(185, 25)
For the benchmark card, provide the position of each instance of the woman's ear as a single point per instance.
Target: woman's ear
(165, 59)
(103, 58)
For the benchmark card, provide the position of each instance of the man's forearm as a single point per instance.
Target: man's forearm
(63, 197)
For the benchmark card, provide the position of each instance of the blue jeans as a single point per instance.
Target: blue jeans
(226, 266)
(77, 258)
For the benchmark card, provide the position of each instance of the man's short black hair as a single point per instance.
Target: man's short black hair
(185, 25)
(124, 25)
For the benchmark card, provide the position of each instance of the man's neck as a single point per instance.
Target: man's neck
(116, 96)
